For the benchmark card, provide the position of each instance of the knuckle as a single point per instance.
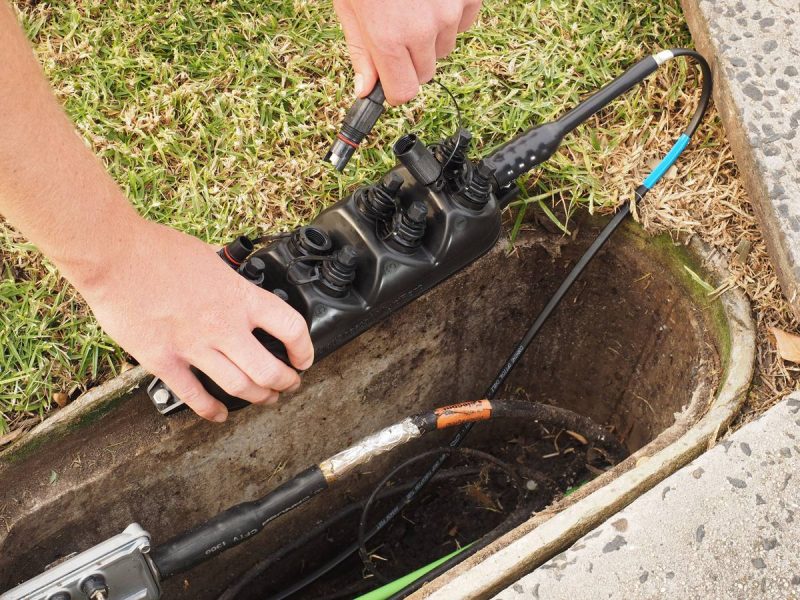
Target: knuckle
(193, 398)
(269, 398)
(296, 328)
(357, 51)
(427, 74)
(161, 361)
(264, 374)
(422, 36)
(237, 385)
(451, 13)
(405, 93)
(190, 396)
(390, 42)
(284, 379)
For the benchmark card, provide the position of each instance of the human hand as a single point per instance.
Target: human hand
(399, 41)
(173, 303)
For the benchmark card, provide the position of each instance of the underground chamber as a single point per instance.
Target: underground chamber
(636, 346)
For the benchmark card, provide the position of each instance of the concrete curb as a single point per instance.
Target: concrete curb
(721, 527)
(756, 104)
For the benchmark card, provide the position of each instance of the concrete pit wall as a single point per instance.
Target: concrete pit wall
(633, 346)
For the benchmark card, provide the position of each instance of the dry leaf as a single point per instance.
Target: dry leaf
(61, 399)
(788, 344)
(480, 496)
(10, 437)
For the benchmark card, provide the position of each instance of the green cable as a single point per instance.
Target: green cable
(390, 589)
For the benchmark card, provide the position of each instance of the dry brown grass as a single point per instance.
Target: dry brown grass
(708, 200)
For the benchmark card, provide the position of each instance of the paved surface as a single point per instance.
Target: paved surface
(725, 526)
(755, 51)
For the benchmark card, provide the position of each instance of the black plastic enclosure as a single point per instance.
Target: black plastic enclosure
(387, 275)
(385, 278)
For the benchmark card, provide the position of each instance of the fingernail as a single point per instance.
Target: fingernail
(294, 388)
(359, 84)
(220, 418)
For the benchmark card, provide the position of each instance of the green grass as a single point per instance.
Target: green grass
(214, 116)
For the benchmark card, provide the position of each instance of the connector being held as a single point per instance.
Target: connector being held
(358, 122)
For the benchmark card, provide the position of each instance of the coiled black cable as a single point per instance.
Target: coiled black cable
(232, 591)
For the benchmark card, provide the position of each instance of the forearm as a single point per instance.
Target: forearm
(52, 188)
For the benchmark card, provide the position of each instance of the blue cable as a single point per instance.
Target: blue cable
(667, 161)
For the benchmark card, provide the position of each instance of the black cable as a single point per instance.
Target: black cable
(705, 95)
(537, 144)
(306, 258)
(262, 565)
(459, 126)
(235, 525)
(605, 234)
(362, 523)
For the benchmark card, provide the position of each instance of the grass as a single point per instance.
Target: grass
(214, 116)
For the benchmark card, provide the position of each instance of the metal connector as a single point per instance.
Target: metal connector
(120, 563)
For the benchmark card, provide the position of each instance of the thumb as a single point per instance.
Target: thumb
(366, 75)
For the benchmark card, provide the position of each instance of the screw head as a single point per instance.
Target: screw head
(417, 211)
(347, 256)
(393, 182)
(162, 396)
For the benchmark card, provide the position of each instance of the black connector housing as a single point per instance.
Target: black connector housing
(358, 122)
(368, 255)
(417, 159)
(236, 252)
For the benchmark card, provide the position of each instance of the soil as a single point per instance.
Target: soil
(449, 514)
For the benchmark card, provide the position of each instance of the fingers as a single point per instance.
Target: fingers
(366, 74)
(424, 59)
(469, 16)
(398, 74)
(277, 318)
(261, 368)
(186, 387)
(446, 41)
(445, 36)
(232, 378)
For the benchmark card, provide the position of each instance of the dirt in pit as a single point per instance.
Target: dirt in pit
(467, 501)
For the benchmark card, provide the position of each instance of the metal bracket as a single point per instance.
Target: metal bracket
(120, 561)
(162, 397)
